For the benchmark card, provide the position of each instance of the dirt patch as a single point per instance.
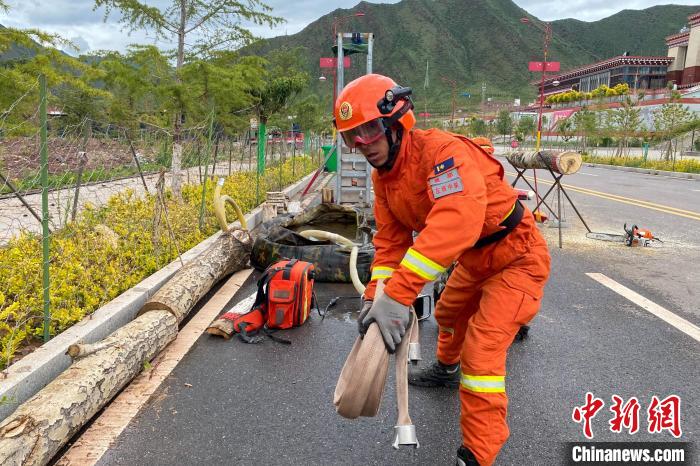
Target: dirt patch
(19, 157)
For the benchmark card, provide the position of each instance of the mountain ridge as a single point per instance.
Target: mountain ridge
(475, 42)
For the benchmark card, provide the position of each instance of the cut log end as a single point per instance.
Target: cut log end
(222, 328)
(564, 162)
(73, 351)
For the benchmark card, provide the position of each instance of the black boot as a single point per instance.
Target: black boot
(436, 375)
(465, 457)
(522, 333)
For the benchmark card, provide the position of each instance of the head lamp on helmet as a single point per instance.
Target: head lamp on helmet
(357, 103)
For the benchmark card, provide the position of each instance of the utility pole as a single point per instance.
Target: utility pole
(425, 95)
(452, 83)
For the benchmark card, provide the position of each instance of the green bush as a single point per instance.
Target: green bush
(109, 249)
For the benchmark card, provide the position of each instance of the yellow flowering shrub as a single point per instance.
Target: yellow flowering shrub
(683, 166)
(108, 250)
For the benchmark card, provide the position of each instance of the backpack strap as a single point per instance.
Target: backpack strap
(287, 274)
(247, 337)
(262, 283)
(270, 334)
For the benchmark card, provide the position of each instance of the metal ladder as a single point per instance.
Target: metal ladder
(354, 174)
(353, 184)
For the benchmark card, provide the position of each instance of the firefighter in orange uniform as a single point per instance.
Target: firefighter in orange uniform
(453, 194)
(485, 144)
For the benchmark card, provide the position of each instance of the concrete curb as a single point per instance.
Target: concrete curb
(648, 171)
(33, 372)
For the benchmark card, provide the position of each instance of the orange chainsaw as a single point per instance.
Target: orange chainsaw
(636, 236)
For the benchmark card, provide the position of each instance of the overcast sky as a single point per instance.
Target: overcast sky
(76, 20)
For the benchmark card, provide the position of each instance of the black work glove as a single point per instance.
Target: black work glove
(366, 306)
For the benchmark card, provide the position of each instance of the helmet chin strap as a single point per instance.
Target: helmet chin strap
(394, 147)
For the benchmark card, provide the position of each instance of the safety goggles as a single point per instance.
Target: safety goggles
(365, 134)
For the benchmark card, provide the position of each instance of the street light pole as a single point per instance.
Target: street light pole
(547, 37)
(452, 83)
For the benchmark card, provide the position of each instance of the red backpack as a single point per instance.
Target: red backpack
(284, 300)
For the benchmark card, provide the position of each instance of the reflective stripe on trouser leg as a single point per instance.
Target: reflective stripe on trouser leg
(484, 383)
(488, 336)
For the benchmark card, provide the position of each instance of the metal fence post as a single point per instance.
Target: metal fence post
(206, 171)
(44, 153)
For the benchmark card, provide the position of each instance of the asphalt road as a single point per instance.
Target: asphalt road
(271, 403)
(607, 199)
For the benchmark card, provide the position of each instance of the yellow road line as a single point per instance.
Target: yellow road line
(625, 200)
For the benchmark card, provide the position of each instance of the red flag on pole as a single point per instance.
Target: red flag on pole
(332, 62)
(548, 66)
(552, 66)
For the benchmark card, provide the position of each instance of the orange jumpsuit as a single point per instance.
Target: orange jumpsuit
(450, 191)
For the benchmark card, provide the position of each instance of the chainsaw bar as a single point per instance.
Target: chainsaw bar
(607, 237)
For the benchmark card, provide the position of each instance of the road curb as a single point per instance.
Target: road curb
(25, 378)
(648, 171)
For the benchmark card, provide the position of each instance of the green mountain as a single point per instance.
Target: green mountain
(476, 41)
(15, 51)
(641, 32)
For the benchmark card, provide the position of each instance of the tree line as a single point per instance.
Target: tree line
(203, 76)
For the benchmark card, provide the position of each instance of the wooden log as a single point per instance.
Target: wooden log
(327, 195)
(564, 162)
(80, 350)
(230, 253)
(224, 327)
(38, 429)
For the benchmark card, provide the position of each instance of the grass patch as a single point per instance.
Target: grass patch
(683, 166)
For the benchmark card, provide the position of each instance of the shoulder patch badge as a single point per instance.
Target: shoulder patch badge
(444, 166)
(345, 111)
(447, 182)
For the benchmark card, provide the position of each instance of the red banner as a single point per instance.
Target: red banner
(332, 62)
(549, 66)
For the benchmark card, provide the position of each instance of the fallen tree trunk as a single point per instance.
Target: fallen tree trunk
(38, 429)
(227, 255)
(566, 162)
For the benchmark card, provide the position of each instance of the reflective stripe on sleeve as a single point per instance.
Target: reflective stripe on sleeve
(380, 272)
(484, 383)
(421, 265)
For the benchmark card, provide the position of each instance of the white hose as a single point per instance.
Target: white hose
(343, 241)
(361, 383)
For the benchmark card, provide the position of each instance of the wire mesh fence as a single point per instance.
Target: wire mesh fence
(95, 215)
